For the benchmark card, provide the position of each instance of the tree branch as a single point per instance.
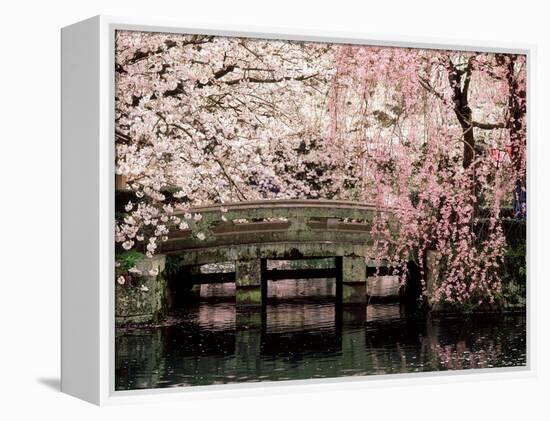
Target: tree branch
(123, 136)
(467, 79)
(272, 80)
(228, 177)
(427, 86)
(219, 74)
(488, 126)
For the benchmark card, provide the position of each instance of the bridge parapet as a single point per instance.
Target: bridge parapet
(274, 228)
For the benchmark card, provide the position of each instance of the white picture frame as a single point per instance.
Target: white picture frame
(88, 212)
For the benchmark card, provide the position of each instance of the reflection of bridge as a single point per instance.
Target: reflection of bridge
(276, 343)
(248, 234)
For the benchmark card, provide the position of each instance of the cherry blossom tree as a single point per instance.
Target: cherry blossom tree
(425, 124)
(203, 119)
(214, 119)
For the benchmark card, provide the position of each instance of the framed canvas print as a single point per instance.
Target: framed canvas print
(248, 208)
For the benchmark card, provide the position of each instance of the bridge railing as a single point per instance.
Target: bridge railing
(275, 221)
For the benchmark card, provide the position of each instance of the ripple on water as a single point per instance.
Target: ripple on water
(214, 344)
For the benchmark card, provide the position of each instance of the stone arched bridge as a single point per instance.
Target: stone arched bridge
(250, 233)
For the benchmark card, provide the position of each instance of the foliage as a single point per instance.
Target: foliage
(125, 266)
(512, 295)
(128, 259)
(514, 272)
(172, 266)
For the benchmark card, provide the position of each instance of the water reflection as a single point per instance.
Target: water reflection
(214, 344)
(292, 289)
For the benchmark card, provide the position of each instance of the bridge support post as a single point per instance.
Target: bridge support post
(144, 300)
(248, 283)
(354, 280)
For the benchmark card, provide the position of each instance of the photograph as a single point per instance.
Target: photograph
(295, 210)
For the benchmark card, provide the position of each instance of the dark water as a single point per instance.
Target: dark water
(213, 344)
